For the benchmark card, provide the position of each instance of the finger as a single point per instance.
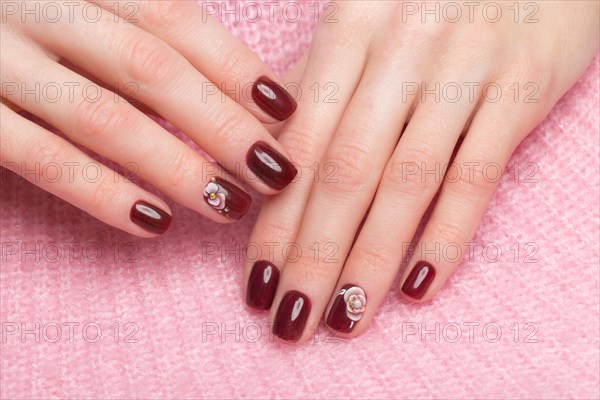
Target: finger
(192, 30)
(106, 124)
(305, 136)
(359, 151)
(409, 183)
(462, 202)
(165, 81)
(126, 95)
(10, 105)
(43, 159)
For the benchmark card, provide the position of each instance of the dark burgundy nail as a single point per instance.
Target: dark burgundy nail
(273, 99)
(150, 217)
(291, 316)
(262, 285)
(270, 165)
(419, 280)
(226, 198)
(347, 308)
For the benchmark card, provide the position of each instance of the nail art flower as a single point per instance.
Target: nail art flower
(356, 302)
(213, 196)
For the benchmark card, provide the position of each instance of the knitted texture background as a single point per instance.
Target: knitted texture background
(90, 312)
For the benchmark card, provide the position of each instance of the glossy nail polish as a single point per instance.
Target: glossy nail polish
(270, 165)
(419, 280)
(291, 316)
(262, 285)
(347, 308)
(226, 198)
(273, 99)
(150, 217)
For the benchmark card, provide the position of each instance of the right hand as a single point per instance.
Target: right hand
(62, 62)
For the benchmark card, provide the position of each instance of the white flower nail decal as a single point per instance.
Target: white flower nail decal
(215, 197)
(356, 301)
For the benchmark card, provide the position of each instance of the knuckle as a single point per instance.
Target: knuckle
(308, 267)
(409, 173)
(346, 35)
(447, 233)
(278, 232)
(411, 29)
(164, 15)
(104, 194)
(302, 152)
(348, 167)
(231, 63)
(476, 179)
(179, 171)
(302, 143)
(373, 260)
(532, 73)
(45, 152)
(149, 62)
(97, 120)
(352, 27)
(226, 127)
(302, 140)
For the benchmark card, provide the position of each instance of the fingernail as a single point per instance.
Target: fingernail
(419, 280)
(347, 308)
(262, 285)
(150, 217)
(226, 198)
(270, 165)
(273, 99)
(291, 316)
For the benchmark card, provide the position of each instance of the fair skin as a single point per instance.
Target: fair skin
(150, 56)
(369, 164)
(369, 55)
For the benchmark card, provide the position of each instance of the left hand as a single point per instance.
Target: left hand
(393, 70)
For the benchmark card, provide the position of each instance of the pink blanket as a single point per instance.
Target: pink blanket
(91, 312)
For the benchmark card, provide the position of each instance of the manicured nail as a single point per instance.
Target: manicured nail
(150, 217)
(291, 316)
(226, 198)
(347, 308)
(270, 165)
(419, 280)
(273, 99)
(262, 285)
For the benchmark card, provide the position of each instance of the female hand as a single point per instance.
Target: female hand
(75, 65)
(490, 76)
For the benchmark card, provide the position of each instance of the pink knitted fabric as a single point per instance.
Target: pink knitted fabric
(528, 317)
